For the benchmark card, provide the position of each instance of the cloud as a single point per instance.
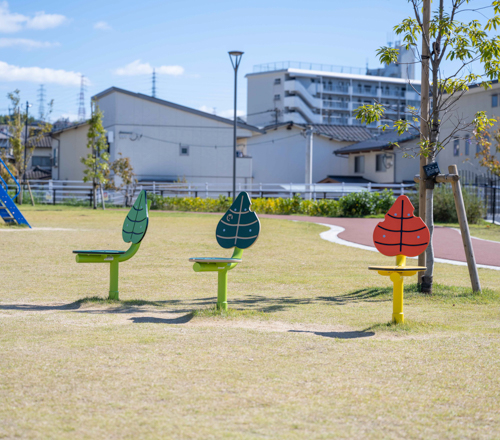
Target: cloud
(138, 68)
(229, 114)
(102, 26)
(25, 43)
(14, 22)
(38, 75)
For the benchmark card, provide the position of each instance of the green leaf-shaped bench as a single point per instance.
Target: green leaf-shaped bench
(134, 230)
(238, 228)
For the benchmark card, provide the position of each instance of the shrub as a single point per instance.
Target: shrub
(365, 203)
(444, 204)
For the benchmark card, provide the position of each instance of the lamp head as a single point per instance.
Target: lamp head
(235, 57)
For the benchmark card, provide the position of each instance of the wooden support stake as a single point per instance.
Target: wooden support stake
(464, 228)
(31, 194)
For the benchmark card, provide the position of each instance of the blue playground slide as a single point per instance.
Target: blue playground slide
(8, 209)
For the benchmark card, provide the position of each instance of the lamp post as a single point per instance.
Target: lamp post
(235, 57)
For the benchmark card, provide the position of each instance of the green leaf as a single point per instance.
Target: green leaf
(136, 223)
(239, 226)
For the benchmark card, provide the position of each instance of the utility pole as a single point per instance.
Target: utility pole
(20, 200)
(153, 92)
(309, 161)
(424, 124)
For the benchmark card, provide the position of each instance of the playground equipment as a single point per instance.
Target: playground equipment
(238, 228)
(8, 209)
(134, 230)
(400, 235)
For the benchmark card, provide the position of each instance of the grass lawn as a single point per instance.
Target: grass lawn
(305, 352)
(483, 229)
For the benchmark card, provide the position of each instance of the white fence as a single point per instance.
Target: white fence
(64, 191)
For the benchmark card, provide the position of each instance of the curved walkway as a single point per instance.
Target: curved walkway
(448, 245)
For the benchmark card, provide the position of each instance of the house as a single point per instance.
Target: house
(279, 154)
(379, 160)
(165, 142)
(69, 145)
(462, 147)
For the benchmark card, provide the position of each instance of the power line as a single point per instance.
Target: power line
(222, 146)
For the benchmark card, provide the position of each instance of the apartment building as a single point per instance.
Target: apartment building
(307, 93)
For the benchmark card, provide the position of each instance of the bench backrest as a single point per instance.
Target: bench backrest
(239, 227)
(401, 233)
(137, 220)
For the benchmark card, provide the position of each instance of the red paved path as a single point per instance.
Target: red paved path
(447, 242)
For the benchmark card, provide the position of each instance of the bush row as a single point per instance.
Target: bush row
(352, 205)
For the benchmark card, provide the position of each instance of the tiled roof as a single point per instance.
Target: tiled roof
(346, 133)
(44, 141)
(381, 142)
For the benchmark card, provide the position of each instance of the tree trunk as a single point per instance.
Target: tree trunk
(94, 194)
(102, 197)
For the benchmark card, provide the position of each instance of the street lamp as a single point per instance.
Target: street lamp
(235, 57)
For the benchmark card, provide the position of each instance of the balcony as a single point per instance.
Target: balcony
(335, 89)
(336, 104)
(393, 93)
(294, 86)
(296, 103)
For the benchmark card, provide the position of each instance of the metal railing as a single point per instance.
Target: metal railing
(76, 192)
(280, 65)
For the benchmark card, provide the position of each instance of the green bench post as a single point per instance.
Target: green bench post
(238, 228)
(134, 230)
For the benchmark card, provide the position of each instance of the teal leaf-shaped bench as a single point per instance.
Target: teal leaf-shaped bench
(239, 228)
(133, 231)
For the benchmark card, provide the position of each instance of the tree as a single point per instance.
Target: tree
(444, 38)
(97, 161)
(17, 123)
(123, 169)
(487, 154)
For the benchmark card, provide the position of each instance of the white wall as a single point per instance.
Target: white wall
(476, 99)
(157, 132)
(260, 98)
(283, 161)
(71, 145)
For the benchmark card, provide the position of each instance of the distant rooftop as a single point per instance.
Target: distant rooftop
(281, 65)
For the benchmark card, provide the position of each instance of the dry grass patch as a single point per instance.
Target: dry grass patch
(305, 350)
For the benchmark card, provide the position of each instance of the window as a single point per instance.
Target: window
(41, 161)
(277, 97)
(456, 147)
(277, 81)
(359, 164)
(183, 150)
(54, 158)
(467, 145)
(380, 164)
(494, 100)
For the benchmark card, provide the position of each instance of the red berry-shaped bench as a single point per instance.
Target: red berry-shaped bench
(400, 235)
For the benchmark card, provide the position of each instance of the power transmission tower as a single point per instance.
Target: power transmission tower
(41, 102)
(154, 84)
(81, 101)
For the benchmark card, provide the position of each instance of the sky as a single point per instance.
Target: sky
(118, 43)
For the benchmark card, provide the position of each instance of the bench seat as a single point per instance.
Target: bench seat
(214, 260)
(99, 252)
